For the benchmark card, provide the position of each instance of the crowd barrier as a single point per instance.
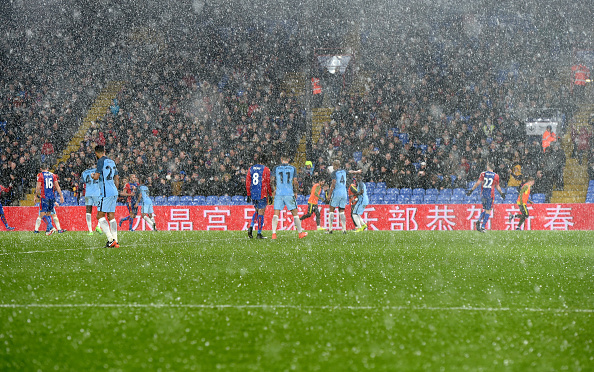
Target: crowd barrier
(396, 217)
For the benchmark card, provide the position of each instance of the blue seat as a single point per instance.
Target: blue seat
(357, 156)
(443, 199)
(238, 200)
(376, 200)
(458, 191)
(417, 199)
(430, 199)
(424, 148)
(403, 138)
(418, 191)
(379, 192)
(473, 199)
(199, 200)
(417, 166)
(173, 200)
(591, 183)
(469, 184)
(510, 189)
(212, 200)
(301, 199)
(457, 199)
(407, 191)
(538, 198)
(446, 192)
(66, 193)
(185, 200)
(159, 200)
(589, 198)
(498, 198)
(511, 198)
(194, 203)
(380, 185)
(390, 199)
(403, 199)
(70, 200)
(392, 191)
(432, 192)
(81, 200)
(224, 200)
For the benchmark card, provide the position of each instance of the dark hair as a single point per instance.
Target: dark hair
(99, 148)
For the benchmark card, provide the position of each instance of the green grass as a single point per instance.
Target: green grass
(204, 301)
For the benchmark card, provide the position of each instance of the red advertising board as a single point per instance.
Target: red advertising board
(396, 217)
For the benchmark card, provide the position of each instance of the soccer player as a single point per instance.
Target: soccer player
(523, 199)
(92, 193)
(312, 202)
(54, 218)
(362, 201)
(2, 216)
(284, 184)
(131, 203)
(45, 190)
(257, 184)
(339, 195)
(146, 205)
(489, 181)
(107, 174)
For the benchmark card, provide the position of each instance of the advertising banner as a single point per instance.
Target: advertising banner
(397, 217)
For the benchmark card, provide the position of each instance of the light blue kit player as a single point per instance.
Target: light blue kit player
(107, 174)
(92, 195)
(362, 202)
(339, 195)
(146, 204)
(285, 184)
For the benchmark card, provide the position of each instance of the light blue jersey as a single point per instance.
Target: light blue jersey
(340, 196)
(107, 171)
(146, 203)
(340, 189)
(91, 185)
(144, 192)
(284, 175)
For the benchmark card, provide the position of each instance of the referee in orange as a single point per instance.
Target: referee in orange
(523, 199)
(312, 203)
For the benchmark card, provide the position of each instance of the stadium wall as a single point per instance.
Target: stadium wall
(395, 217)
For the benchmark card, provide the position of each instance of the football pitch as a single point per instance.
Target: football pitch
(206, 301)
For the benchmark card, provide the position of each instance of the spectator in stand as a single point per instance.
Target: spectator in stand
(542, 185)
(548, 137)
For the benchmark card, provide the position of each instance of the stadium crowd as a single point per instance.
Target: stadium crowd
(194, 115)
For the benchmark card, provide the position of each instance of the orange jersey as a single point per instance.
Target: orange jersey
(524, 195)
(316, 190)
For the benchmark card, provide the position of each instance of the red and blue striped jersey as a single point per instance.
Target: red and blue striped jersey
(489, 180)
(257, 182)
(48, 183)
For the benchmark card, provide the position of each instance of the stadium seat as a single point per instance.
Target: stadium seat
(417, 199)
(302, 199)
(590, 198)
(403, 199)
(469, 184)
(538, 198)
(379, 192)
(159, 200)
(211, 200)
(238, 200)
(70, 200)
(591, 183)
(199, 200)
(498, 198)
(403, 138)
(376, 200)
(406, 191)
(185, 200)
(392, 191)
(66, 193)
(431, 192)
(173, 200)
(380, 186)
(357, 156)
(446, 192)
(430, 199)
(224, 200)
(390, 199)
(418, 191)
(511, 198)
(424, 148)
(81, 200)
(443, 199)
(417, 166)
(458, 199)
(473, 199)
(458, 192)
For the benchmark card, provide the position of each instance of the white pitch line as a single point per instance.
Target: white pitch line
(300, 307)
(122, 247)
